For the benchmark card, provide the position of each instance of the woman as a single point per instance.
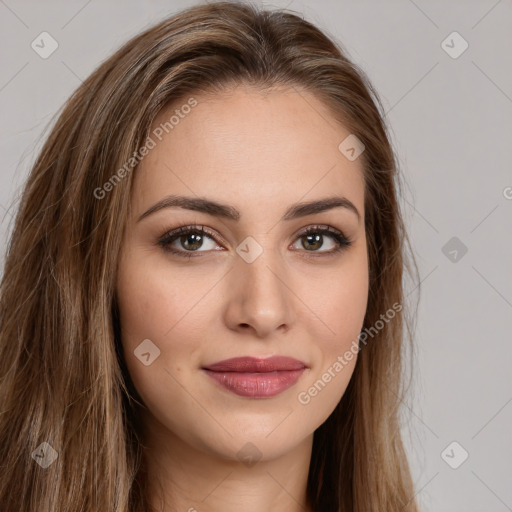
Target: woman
(202, 304)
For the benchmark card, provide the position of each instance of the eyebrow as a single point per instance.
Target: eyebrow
(225, 211)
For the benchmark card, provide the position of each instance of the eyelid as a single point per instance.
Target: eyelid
(217, 237)
(342, 241)
(320, 227)
(184, 229)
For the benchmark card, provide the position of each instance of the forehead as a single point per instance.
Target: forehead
(248, 147)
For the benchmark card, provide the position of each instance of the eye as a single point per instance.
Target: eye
(190, 239)
(313, 238)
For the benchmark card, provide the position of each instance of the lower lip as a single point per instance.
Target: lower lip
(257, 385)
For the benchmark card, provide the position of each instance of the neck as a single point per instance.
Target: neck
(182, 477)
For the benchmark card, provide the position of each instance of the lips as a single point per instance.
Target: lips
(255, 365)
(256, 378)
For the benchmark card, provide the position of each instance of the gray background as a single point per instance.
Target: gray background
(452, 128)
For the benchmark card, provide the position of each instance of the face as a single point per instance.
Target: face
(263, 279)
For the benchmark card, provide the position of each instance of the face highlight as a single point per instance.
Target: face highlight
(246, 239)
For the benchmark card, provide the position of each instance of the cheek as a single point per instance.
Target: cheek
(338, 298)
(154, 300)
(160, 304)
(345, 308)
(340, 307)
(150, 310)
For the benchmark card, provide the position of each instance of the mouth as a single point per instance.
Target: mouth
(256, 378)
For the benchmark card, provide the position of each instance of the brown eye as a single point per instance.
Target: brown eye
(186, 240)
(314, 238)
(191, 241)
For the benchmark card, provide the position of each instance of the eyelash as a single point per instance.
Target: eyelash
(168, 238)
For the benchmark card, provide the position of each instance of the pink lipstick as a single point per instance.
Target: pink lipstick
(256, 378)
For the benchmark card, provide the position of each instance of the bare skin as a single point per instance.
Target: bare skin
(209, 449)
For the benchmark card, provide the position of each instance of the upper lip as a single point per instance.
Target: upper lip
(256, 365)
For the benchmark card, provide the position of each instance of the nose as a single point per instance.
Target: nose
(260, 297)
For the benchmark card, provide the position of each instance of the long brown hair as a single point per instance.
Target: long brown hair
(63, 378)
